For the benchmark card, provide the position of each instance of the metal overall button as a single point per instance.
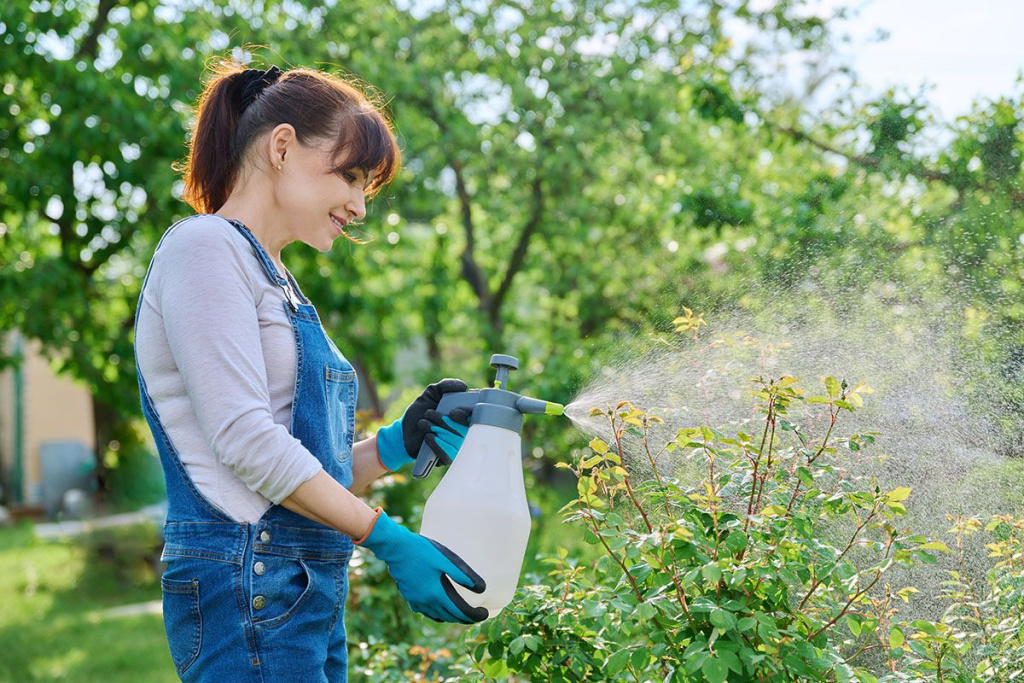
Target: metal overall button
(259, 602)
(259, 569)
(265, 536)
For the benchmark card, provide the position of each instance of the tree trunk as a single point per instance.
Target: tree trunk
(107, 425)
(369, 388)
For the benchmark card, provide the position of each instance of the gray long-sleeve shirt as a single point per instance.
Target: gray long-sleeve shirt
(217, 354)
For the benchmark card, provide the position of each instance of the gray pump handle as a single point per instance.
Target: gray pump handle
(504, 365)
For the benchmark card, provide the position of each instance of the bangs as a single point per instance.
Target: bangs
(365, 142)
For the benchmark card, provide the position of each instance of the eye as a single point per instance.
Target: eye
(348, 176)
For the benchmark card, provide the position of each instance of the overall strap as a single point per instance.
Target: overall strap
(268, 266)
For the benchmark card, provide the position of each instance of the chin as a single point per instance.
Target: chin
(321, 245)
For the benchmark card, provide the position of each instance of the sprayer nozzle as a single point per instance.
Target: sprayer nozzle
(535, 406)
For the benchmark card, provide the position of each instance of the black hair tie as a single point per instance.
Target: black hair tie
(254, 82)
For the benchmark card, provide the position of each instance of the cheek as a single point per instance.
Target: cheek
(303, 194)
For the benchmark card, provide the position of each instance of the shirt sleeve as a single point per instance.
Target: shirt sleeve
(208, 301)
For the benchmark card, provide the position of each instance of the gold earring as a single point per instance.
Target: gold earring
(279, 167)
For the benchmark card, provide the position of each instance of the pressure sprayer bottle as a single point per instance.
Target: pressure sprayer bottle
(479, 508)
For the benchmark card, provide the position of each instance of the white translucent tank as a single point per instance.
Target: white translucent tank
(479, 510)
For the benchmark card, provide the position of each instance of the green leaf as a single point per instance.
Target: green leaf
(729, 658)
(586, 486)
(805, 476)
(736, 541)
(898, 494)
(640, 658)
(715, 670)
(646, 611)
(832, 386)
(722, 619)
(925, 626)
(712, 572)
(617, 662)
(896, 638)
(598, 446)
(898, 508)
(594, 609)
(935, 545)
(495, 668)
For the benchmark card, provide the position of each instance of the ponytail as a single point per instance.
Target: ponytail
(212, 165)
(238, 105)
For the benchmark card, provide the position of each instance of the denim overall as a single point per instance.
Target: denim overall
(263, 602)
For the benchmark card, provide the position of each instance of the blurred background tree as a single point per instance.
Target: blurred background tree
(574, 172)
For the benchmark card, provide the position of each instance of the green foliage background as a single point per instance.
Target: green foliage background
(566, 166)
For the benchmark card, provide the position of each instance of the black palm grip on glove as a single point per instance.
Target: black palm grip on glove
(412, 434)
(474, 614)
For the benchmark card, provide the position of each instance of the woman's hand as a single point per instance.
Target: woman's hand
(445, 433)
(399, 443)
(424, 570)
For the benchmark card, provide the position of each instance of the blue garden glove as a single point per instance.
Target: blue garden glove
(445, 433)
(421, 567)
(399, 443)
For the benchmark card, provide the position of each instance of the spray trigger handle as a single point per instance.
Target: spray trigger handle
(425, 459)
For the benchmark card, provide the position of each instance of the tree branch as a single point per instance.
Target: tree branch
(874, 164)
(470, 268)
(91, 42)
(518, 258)
(64, 231)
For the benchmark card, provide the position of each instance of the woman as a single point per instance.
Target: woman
(252, 406)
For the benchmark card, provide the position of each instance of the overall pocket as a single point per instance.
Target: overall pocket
(182, 621)
(279, 588)
(341, 394)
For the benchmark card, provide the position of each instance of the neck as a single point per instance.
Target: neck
(251, 206)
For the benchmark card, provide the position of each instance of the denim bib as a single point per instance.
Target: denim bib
(263, 602)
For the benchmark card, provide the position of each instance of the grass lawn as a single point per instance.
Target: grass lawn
(53, 626)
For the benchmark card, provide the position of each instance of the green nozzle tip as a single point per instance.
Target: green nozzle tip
(554, 409)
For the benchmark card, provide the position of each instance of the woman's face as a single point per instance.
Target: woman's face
(316, 204)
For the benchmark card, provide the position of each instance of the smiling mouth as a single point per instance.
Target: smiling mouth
(350, 230)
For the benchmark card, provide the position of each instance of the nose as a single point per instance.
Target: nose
(357, 206)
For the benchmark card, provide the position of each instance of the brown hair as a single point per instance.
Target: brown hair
(318, 105)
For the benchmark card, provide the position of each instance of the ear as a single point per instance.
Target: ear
(281, 140)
